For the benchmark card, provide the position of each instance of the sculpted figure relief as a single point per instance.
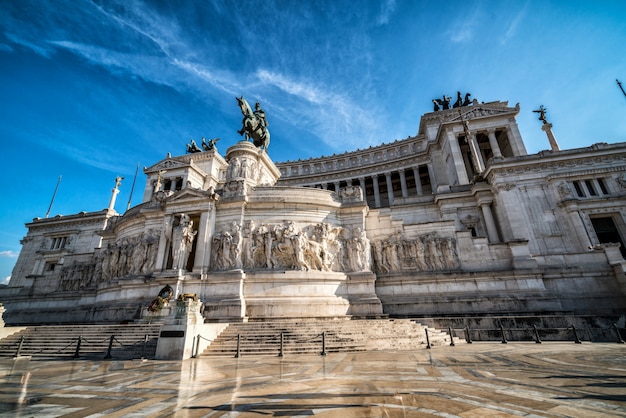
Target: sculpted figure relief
(129, 256)
(425, 253)
(182, 241)
(291, 246)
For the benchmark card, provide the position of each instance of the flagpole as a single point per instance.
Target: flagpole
(53, 195)
(620, 87)
(133, 186)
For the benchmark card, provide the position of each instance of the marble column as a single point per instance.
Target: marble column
(376, 191)
(418, 181)
(515, 140)
(479, 164)
(492, 231)
(336, 183)
(547, 128)
(389, 187)
(164, 243)
(206, 227)
(362, 184)
(457, 158)
(405, 193)
(433, 178)
(493, 142)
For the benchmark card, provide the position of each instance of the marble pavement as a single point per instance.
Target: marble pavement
(478, 380)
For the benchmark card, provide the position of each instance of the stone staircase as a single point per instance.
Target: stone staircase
(305, 337)
(61, 341)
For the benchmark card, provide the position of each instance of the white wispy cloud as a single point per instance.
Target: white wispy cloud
(463, 29)
(9, 254)
(386, 10)
(37, 48)
(334, 117)
(6, 280)
(512, 27)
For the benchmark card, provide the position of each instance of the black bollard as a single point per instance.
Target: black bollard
(451, 337)
(576, 339)
(77, 352)
(143, 349)
(323, 343)
(619, 336)
(19, 347)
(468, 339)
(504, 341)
(537, 340)
(238, 345)
(280, 352)
(108, 355)
(427, 339)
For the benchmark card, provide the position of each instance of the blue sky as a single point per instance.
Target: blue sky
(91, 88)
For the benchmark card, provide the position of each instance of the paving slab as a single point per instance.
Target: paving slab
(467, 380)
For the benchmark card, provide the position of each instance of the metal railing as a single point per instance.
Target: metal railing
(538, 335)
(78, 347)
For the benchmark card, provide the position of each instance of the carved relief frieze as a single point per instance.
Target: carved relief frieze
(425, 253)
(235, 188)
(290, 246)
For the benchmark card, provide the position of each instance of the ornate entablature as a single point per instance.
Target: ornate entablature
(354, 163)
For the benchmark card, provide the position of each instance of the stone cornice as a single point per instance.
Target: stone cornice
(592, 160)
(352, 165)
(81, 218)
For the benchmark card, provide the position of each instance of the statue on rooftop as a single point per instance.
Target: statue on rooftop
(444, 103)
(193, 147)
(210, 144)
(254, 124)
(542, 114)
(467, 101)
(459, 100)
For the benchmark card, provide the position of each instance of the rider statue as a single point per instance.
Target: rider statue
(254, 124)
(260, 113)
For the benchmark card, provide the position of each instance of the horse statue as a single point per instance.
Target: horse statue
(254, 124)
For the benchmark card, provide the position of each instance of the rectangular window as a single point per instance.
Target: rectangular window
(592, 190)
(58, 243)
(579, 190)
(607, 232)
(602, 186)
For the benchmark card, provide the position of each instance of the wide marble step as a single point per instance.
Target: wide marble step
(264, 338)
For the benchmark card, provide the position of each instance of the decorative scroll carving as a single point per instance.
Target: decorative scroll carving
(621, 180)
(564, 190)
(426, 253)
(351, 194)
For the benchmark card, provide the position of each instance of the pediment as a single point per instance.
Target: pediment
(167, 164)
(478, 112)
(190, 194)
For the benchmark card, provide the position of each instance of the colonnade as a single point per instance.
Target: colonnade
(382, 188)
